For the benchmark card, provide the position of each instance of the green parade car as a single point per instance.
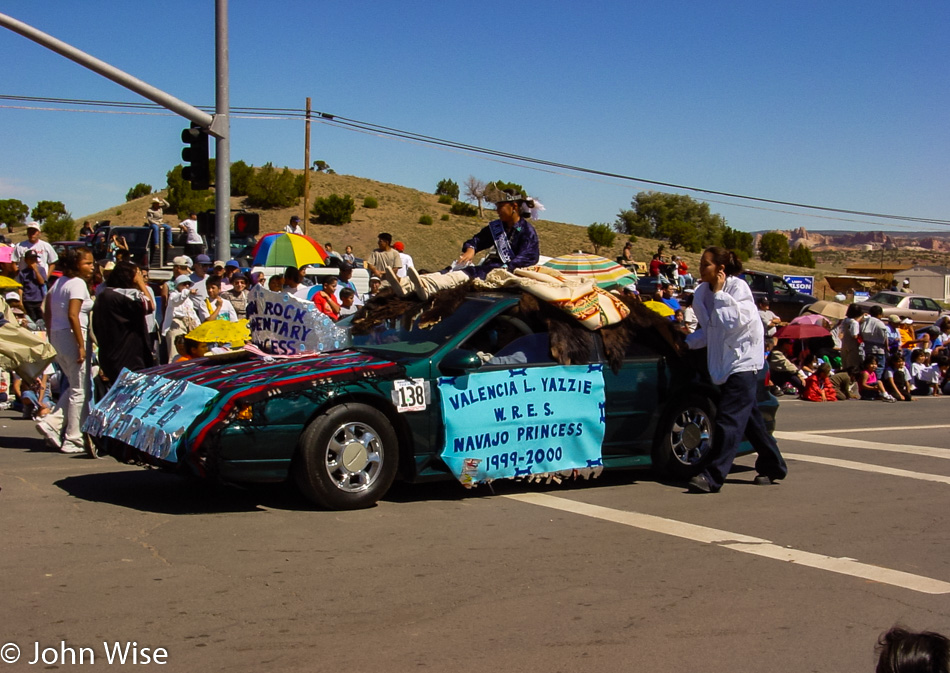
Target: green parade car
(469, 392)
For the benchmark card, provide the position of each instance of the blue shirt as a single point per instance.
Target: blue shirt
(525, 249)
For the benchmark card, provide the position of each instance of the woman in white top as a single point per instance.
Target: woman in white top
(731, 330)
(67, 320)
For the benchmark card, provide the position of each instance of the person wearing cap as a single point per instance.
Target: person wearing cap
(407, 262)
(375, 284)
(155, 218)
(16, 306)
(230, 268)
(294, 226)
(45, 254)
(194, 244)
(906, 329)
(905, 286)
(513, 238)
(198, 276)
(33, 279)
(238, 294)
(180, 316)
(893, 334)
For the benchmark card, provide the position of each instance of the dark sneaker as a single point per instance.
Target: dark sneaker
(699, 484)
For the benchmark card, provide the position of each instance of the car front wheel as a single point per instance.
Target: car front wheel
(347, 457)
(686, 437)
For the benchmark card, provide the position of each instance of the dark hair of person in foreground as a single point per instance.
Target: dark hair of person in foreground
(903, 651)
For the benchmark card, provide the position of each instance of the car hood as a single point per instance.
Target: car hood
(254, 379)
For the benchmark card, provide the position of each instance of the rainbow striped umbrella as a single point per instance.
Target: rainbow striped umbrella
(282, 249)
(605, 273)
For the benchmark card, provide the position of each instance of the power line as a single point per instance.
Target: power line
(381, 130)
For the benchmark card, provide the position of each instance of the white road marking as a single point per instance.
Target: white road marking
(884, 429)
(863, 444)
(865, 467)
(739, 542)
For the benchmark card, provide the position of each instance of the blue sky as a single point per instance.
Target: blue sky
(842, 104)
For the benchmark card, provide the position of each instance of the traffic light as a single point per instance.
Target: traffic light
(247, 224)
(196, 154)
(206, 223)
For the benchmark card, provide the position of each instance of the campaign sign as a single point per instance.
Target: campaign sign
(519, 422)
(149, 412)
(283, 324)
(803, 284)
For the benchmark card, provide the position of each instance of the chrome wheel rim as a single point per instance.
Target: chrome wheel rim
(691, 436)
(354, 457)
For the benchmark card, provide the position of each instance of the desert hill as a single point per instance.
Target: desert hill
(431, 246)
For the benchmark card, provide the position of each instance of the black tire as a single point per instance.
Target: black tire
(347, 457)
(686, 434)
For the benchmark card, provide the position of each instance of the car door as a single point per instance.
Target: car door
(633, 396)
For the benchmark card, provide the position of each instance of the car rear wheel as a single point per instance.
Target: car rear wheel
(347, 457)
(686, 437)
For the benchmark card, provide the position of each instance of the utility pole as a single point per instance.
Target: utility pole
(306, 172)
(222, 147)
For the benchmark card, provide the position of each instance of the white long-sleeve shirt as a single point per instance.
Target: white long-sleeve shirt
(730, 328)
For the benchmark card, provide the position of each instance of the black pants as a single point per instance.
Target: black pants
(739, 415)
(34, 309)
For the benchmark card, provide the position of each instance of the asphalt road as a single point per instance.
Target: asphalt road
(621, 574)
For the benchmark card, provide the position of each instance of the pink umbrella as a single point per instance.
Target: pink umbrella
(801, 331)
(810, 319)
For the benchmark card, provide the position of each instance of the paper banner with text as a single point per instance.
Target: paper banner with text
(283, 324)
(519, 422)
(148, 412)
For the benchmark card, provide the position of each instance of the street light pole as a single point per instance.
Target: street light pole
(222, 148)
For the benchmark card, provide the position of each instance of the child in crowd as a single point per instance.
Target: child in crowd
(818, 387)
(930, 380)
(896, 378)
(920, 371)
(347, 297)
(869, 387)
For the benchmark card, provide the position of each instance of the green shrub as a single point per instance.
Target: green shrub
(270, 189)
(59, 227)
(182, 198)
(141, 189)
(425, 219)
(334, 209)
(370, 202)
(118, 212)
(462, 208)
(445, 217)
(445, 198)
(448, 188)
(242, 176)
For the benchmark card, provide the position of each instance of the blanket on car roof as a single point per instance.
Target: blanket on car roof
(571, 342)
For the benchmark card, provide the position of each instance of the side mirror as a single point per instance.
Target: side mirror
(459, 362)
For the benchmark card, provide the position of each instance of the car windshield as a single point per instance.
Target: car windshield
(406, 336)
(886, 298)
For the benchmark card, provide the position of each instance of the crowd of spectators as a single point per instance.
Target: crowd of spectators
(104, 316)
(863, 357)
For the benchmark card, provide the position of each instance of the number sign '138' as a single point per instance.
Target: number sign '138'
(410, 395)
